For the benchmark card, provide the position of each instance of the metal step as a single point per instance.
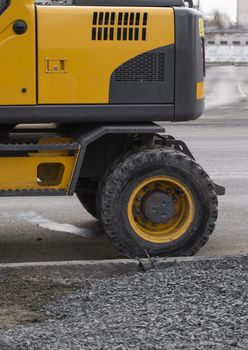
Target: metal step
(39, 147)
(32, 193)
(41, 166)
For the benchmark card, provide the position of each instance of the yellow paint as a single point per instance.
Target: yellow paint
(20, 173)
(57, 140)
(200, 90)
(65, 33)
(201, 27)
(177, 226)
(56, 66)
(17, 55)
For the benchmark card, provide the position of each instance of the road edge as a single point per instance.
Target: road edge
(100, 269)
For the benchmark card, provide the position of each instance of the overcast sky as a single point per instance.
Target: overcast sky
(228, 6)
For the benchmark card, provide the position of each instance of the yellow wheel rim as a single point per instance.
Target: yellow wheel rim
(176, 226)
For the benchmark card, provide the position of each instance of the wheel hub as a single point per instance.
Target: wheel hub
(158, 207)
(161, 209)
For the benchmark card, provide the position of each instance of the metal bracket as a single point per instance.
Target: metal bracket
(220, 190)
(170, 141)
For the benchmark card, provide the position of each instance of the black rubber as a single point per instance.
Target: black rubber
(127, 172)
(89, 203)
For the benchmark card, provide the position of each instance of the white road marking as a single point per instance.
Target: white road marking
(229, 174)
(241, 90)
(226, 107)
(33, 218)
(209, 97)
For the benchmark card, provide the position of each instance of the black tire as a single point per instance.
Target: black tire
(124, 176)
(89, 203)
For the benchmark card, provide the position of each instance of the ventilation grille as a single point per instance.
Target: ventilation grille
(119, 26)
(144, 68)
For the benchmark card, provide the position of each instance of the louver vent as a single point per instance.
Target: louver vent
(144, 68)
(119, 26)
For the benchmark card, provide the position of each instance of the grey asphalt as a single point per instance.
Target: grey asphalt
(56, 229)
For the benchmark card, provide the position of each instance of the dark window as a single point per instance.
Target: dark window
(223, 42)
(246, 43)
(236, 42)
(211, 42)
(4, 4)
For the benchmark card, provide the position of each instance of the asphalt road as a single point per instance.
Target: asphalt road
(51, 229)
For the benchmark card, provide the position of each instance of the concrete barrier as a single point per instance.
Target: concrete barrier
(229, 54)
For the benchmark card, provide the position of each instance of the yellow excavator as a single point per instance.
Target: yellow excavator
(81, 87)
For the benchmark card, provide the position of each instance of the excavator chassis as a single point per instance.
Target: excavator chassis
(163, 201)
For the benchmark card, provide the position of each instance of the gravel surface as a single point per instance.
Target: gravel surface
(22, 299)
(201, 305)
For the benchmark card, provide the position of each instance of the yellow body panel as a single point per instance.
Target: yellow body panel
(200, 90)
(17, 55)
(20, 173)
(73, 68)
(201, 27)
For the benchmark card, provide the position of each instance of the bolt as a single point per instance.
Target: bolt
(138, 199)
(146, 189)
(158, 186)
